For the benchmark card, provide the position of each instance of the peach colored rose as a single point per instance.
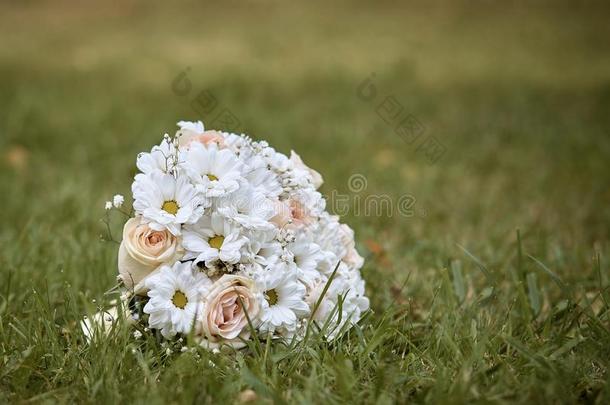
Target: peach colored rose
(205, 138)
(282, 213)
(298, 212)
(224, 316)
(143, 250)
(298, 163)
(290, 213)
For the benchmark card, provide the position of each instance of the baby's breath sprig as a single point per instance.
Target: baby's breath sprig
(116, 205)
(106, 221)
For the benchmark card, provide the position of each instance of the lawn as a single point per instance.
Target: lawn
(488, 274)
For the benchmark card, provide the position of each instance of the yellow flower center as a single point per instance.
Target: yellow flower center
(170, 207)
(179, 299)
(271, 297)
(216, 241)
(212, 177)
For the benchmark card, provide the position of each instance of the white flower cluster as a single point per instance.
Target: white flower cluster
(230, 235)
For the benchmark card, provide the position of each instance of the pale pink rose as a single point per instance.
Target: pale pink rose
(143, 250)
(223, 320)
(205, 138)
(282, 213)
(291, 213)
(298, 163)
(299, 214)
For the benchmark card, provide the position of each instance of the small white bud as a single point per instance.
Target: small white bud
(118, 201)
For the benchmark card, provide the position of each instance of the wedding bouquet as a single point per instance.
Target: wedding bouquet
(228, 238)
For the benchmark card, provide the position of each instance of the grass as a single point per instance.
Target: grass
(495, 290)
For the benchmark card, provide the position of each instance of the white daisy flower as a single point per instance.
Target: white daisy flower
(216, 172)
(213, 238)
(283, 301)
(278, 161)
(240, 144)
(248, 207)
(196, 127)
(346, 286)
(327, 262)
(166, 202)
(162, 157)
(262, 248)
(175, 298)
(262, 178)
(328, 235)
(306, 257)
(108, 205)
(355, 300)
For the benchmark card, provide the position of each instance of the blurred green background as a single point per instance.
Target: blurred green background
(517, 93)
